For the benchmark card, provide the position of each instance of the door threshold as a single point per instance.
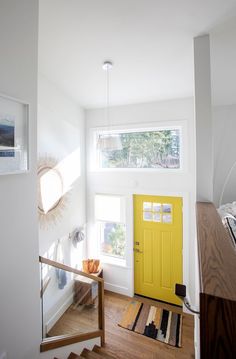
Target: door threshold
(158, 300)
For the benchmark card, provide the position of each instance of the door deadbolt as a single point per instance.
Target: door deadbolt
(137, 250)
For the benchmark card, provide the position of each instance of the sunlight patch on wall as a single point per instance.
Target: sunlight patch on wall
(70, 169)
(55, 181)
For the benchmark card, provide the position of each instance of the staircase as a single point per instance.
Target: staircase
(96, 353)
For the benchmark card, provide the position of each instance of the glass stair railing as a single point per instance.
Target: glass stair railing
(72, 305)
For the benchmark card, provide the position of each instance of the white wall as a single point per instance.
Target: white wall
(224, 131)
(223, 74)
(223, 58)
(175, 112)
(19, 275)
(61, 136)
(203, 119)
(204, 147)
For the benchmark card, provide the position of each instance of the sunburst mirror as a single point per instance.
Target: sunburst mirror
(51, 197)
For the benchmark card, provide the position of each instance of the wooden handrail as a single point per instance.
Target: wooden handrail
(217, 258)
(44, 286)
(58, 341)
(217, 268)
(68, 339)
(68, 269)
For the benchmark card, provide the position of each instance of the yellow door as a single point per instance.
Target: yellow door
(157, 246)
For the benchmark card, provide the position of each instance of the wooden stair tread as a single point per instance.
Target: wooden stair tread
(90, 354)
(103, 352)
(74, 356)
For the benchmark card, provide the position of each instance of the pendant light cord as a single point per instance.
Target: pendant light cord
(108, 100)
(110, 141)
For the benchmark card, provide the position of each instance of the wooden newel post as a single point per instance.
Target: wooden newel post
(101, 318)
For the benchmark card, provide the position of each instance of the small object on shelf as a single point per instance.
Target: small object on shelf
(91, 265)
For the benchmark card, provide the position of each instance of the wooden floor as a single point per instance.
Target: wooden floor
(129, 345)
(125, 344)
(77, 319)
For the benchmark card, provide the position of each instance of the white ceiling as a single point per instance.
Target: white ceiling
(149, 41)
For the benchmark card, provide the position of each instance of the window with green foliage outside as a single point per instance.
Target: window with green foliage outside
(147, 149)
(113, 239)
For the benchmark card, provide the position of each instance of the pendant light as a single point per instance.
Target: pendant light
(108, 141)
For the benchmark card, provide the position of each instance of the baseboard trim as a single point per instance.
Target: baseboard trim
(118, 289)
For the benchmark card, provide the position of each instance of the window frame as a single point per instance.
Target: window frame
(106, 257)
(134, 128)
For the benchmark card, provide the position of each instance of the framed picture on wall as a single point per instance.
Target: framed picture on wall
(14, 135)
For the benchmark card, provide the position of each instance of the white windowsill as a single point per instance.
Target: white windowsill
(141, 170)
(113, 261)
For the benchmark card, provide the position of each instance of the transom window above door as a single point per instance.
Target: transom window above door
(158, 148)
(157, 212)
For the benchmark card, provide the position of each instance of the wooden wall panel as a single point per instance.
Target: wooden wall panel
(217, 327)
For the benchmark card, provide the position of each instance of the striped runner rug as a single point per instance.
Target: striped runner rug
(153, 322)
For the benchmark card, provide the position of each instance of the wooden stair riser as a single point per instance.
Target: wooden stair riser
(96, 353)
(102, 351)
(90, 355)
(74, 356)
